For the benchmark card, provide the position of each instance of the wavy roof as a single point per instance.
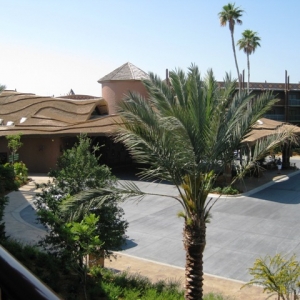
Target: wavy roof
(32, 114)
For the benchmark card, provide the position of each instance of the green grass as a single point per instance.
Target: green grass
(212, 296)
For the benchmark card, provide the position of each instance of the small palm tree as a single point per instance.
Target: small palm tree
(249, 42)
(231, 15)
(186, 132)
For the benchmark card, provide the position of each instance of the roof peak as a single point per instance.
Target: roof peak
(127, 71)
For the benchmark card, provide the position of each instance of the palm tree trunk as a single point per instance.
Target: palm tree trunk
(194, 243)
(248, 65)
(236, 64)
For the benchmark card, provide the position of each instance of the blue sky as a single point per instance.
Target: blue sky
(49, 47)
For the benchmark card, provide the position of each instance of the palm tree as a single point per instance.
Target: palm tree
(249, 42)
(185, 132)
(231, 15)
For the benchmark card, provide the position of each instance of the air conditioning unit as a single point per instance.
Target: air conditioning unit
(10, 123)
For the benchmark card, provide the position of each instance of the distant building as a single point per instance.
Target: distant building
(287, 109)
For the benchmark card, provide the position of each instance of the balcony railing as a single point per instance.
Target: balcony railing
(294, 102)
(18, 283)
(294, 118)
(275, 117)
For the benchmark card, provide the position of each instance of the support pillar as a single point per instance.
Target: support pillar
(286, 155)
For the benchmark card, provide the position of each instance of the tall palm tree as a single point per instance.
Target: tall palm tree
(185, 132)
(231, 15)
(249, 42)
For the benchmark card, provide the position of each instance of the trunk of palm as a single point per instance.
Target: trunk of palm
(236, 64)
(248, 65)
(194, 243)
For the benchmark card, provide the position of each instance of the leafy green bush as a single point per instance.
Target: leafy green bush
(21, 173)
(3, 202)
(213, 296)
(217, 190)
(7, 178)
(229, 190)
(134, 286)
(62, 202)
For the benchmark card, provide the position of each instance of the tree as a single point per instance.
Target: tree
(277, 274)
(81, 236)
(185, 132)
(14, 144)
(60, 201)
(231, 15)
(249, 42)
(21, 172)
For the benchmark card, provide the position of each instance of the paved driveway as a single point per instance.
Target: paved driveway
(242, 228)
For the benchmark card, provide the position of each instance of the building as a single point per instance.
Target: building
(287, 109)
(49, 125)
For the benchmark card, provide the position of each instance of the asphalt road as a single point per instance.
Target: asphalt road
(241, 230)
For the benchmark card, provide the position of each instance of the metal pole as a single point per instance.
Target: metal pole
(19, 283)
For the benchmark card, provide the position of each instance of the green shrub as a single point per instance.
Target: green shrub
(7, 178)
(21, 173)
(213, 296)
(229, 190)
(217, 190)
(3, 202)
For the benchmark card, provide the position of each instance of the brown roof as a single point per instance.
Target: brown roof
(265, 127)
(32, 114)
(78, 97)
(128, 71)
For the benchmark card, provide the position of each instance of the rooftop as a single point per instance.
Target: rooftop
(128, 71)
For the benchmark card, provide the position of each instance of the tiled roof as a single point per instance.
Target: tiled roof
(128, 71)
(31, 114)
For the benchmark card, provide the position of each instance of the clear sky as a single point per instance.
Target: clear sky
(50, 46)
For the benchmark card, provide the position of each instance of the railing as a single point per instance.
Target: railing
(294, 118)
(294, 102)
(278, 117)
(18, 283)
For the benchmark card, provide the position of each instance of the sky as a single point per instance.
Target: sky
(50, 47)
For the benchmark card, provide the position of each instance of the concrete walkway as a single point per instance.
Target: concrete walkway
(19, 215)
(264, 221)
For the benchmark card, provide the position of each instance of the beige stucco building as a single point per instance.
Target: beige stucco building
(48, 125)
